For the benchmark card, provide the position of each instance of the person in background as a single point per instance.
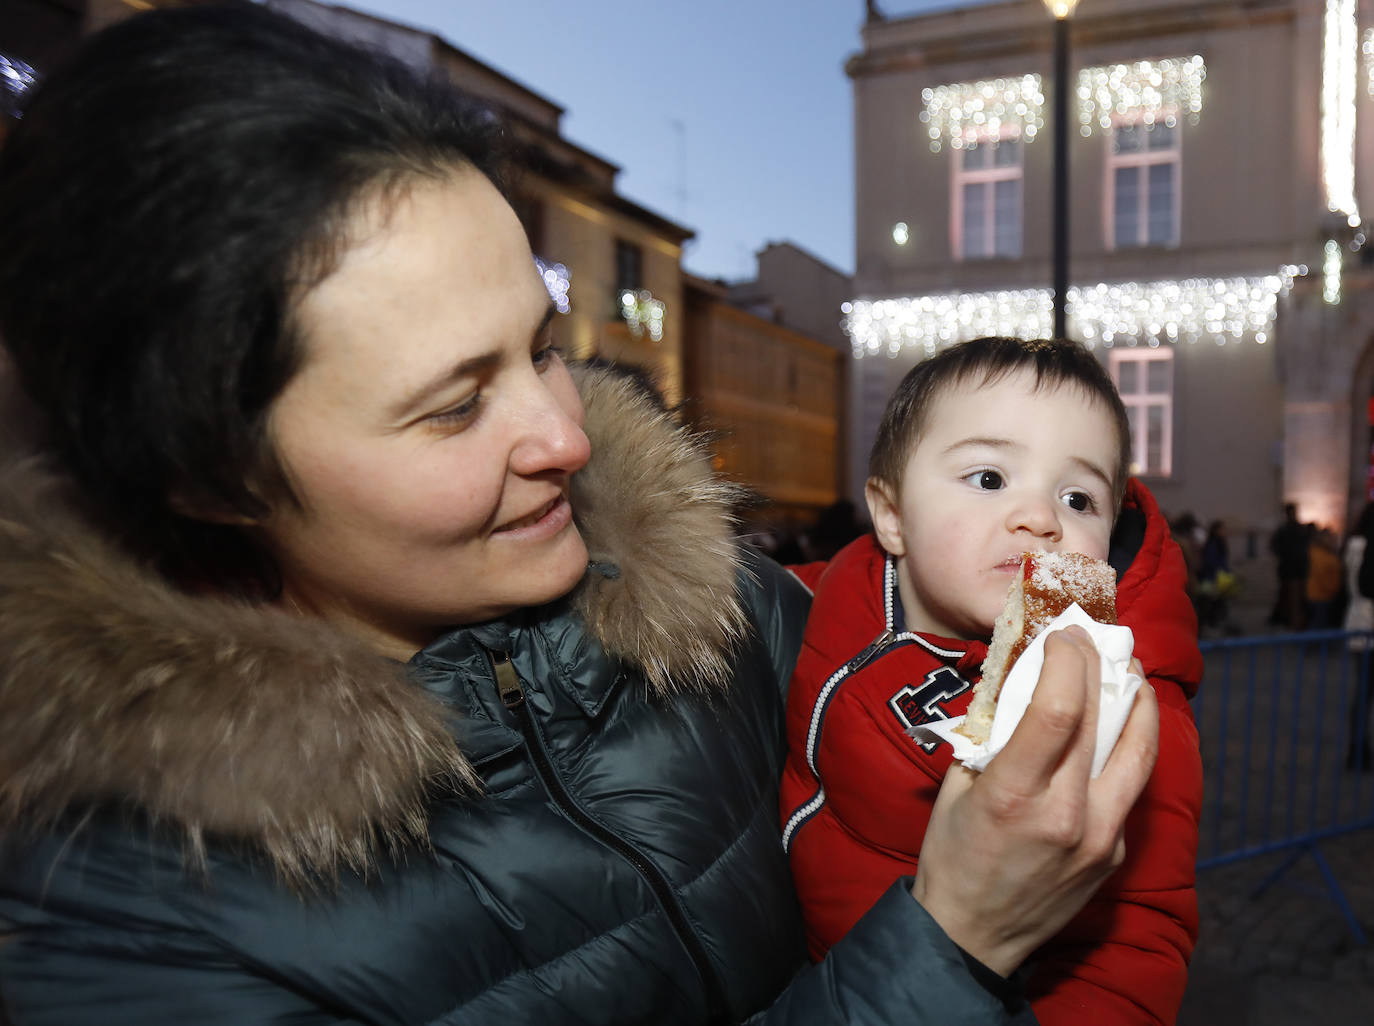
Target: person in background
(1359, 619)
(361, 661)
(1323, 580)
(1290, 545)
(1215, 581)
(1184, 530)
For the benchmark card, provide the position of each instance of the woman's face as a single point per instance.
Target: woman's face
(432, 431)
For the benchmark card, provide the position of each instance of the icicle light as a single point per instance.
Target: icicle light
(967, 113)
(1143, 92)
(1340, 48)
(1121, 313)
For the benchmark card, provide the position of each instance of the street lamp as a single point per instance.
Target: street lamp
(1062, 11)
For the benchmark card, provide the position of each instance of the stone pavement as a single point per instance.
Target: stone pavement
(1286, 955)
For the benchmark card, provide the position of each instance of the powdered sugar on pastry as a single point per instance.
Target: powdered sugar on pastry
(1049, 582)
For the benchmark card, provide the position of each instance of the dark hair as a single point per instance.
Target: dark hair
(986, 360)
(165, 199)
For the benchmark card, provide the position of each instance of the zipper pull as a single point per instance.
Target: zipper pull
(512, 695)
(879, 643)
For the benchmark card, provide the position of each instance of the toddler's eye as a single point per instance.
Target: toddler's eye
(988, 480)
(1079, 502)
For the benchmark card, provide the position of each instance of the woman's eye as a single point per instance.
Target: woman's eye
(456, 416)
(546, 354)
(988, 480)
(1079, 502)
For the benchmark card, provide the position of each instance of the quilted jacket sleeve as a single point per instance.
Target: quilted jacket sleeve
(895, 966)
(1125, 956)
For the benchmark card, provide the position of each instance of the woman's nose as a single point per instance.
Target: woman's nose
(552, 439)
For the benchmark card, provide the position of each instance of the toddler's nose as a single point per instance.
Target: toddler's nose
(1036, 516)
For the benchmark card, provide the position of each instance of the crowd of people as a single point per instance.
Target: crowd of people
(1314, 588)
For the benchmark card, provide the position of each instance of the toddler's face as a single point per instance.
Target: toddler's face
(1000, 469)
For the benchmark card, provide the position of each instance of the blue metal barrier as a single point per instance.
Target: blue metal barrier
(1284, 725)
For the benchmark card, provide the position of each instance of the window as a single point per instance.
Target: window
(1143, 186)
(1145, 379)
(629, 268)
(987, 200)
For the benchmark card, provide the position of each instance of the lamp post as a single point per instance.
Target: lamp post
(1062, 10)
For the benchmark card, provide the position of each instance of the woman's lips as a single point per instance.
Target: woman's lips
(550, 518)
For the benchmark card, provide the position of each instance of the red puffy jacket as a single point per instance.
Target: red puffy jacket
(857, 790)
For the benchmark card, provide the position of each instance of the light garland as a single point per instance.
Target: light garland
(16, 78)
(1186, 310)
(1367, 49)
(1331, 271)
(1339, 86)
(642, 313)
(967, 113)
(558, 281)
(1144, 92)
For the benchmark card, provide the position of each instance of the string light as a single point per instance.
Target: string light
(1120, 313)
(1367, 49)
(558, 281)
(966, 113)
(16, 78)
(1143, 92)
(1339, 86)
(1331, 272)
(642, 313)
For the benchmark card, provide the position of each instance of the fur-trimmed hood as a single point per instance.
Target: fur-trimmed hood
(220, 718)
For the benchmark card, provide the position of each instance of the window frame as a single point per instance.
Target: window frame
(1142, 399)
(960, 177)
(1142, 160)
(627, 253)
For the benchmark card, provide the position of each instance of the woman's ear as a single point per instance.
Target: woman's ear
(886, 516)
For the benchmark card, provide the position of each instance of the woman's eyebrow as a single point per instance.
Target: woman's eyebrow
(549, 311)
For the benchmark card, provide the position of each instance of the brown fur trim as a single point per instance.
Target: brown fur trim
(649, 504)
(248, 724)
(221, 718)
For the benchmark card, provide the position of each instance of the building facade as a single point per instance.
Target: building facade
(771, 397)
(797, 289)
(1219, 160)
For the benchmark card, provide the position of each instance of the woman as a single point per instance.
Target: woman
(353, 672)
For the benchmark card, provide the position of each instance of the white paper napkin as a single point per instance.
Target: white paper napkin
(1119, 685)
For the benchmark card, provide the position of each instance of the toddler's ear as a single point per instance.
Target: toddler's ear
(886, 516)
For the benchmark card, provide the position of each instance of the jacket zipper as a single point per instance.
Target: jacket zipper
(868, 654)
(812, 805)
(513, 698)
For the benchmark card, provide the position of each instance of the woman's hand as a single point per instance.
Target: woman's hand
(1013, 853)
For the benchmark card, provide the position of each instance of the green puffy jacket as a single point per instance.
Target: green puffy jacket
(216, 814)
